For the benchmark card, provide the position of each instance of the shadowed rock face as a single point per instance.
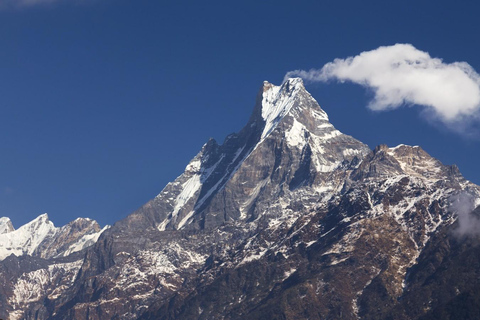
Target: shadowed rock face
(287, 219)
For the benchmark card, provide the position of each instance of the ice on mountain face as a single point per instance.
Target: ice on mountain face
(309, 125)
(277, 102)
(85, 241)
(189, 188)
(194, 165)
(27, 238)
(6, 225)
(196, 174)
(296, 135)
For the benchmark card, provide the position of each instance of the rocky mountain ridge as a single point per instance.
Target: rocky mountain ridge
(288, 219)
(41, 238)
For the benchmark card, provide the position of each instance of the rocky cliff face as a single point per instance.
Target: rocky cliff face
(288, 219)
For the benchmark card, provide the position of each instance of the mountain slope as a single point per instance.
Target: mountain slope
(287, 128)
(41, 238)
(288, 219)
(39, 260)
(348, 257)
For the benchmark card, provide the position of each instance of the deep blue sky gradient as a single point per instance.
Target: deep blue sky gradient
(103, 103)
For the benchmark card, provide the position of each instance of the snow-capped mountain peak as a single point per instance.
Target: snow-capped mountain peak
(27, 238)
(40, 237)
(6, 225)
(40, 221)
(277, 101)
(286, 116)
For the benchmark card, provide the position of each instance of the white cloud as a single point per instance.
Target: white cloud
(402, 75)
(462, 205)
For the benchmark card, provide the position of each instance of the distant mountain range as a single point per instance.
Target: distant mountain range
(287, 219)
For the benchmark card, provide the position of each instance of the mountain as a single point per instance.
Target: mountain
(5, 225)
(40, 238)
(39, 259)
(287, 219)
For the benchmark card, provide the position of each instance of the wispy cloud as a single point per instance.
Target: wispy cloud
(402, 75)
(23, 4)
(8, 190)
(462, 205)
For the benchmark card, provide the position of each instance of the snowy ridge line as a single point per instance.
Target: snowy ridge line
(41, 233)
(274, 107)
(6, 225)
(277, 102)
(189, 196)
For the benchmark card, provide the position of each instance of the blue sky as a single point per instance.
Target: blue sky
(103, 102)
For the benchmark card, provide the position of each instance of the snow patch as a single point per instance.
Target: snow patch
(5, 225)
(350, 152)
(337, 261)
(288, 273)
(36, 285)
(189, 188)
(296, 135)
(194, 165)
(253, 256)
(330, 135)
(253, 195)
(277, 102)
(27, 238)
(84, 242)
(185, 219)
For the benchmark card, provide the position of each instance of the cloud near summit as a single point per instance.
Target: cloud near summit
(403, 75)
